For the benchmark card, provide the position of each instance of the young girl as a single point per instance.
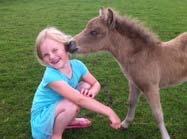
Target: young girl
(57, 100)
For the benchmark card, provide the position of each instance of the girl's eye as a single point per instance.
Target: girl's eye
(45, 55)
(93, 33)
(55, 50)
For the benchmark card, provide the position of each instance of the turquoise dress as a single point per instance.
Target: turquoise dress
(45, 99)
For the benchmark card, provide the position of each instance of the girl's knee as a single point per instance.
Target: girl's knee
(71, 107)
(83, 84)
(75, 108)
(60, 117)
(67, 106)
(72, 111)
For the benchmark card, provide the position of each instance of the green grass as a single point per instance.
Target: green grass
(20, 73)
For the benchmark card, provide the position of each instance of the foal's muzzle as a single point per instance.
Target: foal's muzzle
(71, 46)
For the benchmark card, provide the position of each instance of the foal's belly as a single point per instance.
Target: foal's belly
(172, 83)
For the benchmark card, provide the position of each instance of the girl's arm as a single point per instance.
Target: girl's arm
(86, 102)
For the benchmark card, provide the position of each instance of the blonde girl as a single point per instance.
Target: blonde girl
(66, 85)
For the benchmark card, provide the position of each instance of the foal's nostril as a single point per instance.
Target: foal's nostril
(72, 47)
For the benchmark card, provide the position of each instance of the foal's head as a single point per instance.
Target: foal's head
(102, 31)
(95, 36)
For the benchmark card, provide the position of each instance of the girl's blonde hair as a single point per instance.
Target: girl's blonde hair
(50, 33)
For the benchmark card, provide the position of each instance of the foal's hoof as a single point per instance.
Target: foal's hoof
(123, 129)
(125, 124)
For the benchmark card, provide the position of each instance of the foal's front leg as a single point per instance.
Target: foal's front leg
(153, 98)
(133, 99)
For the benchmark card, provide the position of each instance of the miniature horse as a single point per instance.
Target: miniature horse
(148, 63)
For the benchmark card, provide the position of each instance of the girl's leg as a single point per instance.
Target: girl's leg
(66, 111)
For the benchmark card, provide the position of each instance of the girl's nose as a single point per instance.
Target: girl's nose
(51, 56)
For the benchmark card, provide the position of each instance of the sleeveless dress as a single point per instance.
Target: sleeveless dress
(45, 99)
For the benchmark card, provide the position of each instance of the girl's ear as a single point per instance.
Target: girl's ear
(66, 45)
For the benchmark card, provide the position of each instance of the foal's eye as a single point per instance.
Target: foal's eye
(93, 33)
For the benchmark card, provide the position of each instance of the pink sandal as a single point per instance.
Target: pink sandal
(79, 123)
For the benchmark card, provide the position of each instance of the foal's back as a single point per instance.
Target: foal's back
(173, 61)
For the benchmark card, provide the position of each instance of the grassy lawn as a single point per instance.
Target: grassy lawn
(20, 73)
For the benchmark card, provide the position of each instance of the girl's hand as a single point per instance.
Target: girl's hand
(115, 121)
(87, 92)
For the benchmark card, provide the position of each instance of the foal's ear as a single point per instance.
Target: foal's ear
(111, 21)
(103, 14)
(108, 16)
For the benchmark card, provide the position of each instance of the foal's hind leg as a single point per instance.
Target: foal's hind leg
(133, 99)
(153, 98)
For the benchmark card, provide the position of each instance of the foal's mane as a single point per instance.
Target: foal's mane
(135, 30)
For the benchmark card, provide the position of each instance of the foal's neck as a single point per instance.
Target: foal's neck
(136, 31)
(124, 48)
(119, 46)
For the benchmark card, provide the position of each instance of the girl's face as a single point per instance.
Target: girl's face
(54, 53)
